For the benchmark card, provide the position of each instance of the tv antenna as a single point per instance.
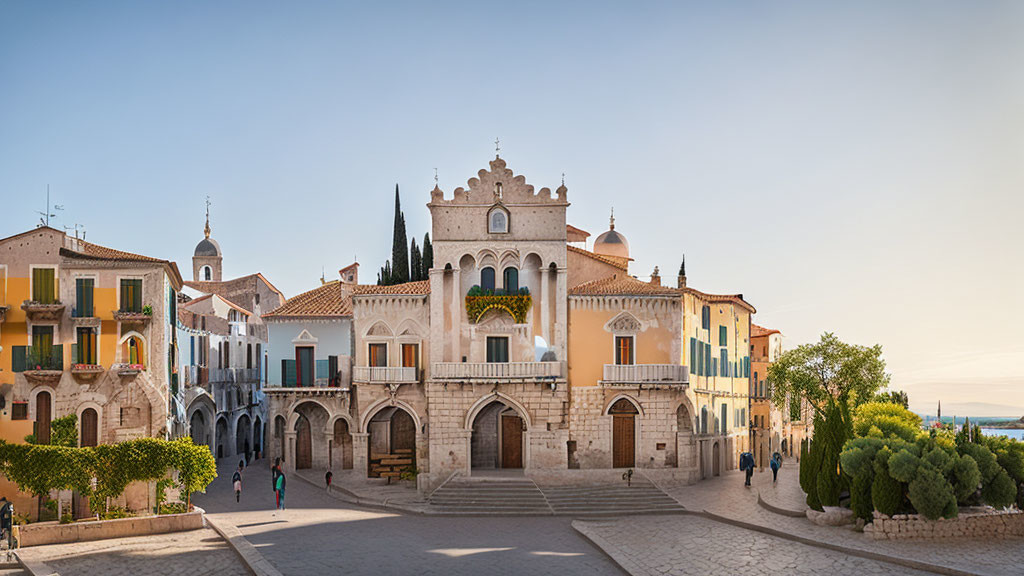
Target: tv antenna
(45, 215)
(76, 228)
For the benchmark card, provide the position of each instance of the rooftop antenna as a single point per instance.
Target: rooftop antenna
(435, 178)
(76, 228)
(563, 178)
(497, 147)
(207, 229)
(44, 216)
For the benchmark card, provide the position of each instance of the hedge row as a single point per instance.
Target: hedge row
(105, 471)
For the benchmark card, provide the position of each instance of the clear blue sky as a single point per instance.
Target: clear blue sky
(850, 167)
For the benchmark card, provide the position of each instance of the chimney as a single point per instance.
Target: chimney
(655, 277)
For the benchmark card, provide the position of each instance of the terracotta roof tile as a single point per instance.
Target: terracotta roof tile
(756, 331)
(420, 287)
(246, 284)
(621, 285)
(327, 300)
(620, 264)
(75, 248)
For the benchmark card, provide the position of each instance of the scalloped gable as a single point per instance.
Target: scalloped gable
(484, 189)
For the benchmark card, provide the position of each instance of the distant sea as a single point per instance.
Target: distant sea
(1008, 432)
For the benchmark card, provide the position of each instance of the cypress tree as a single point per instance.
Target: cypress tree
(399, 246)
(428, 255)
(415, 262)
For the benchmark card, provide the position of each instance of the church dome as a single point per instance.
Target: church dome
(612, 243)
(207, 247)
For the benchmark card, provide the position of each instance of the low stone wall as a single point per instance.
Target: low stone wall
(972, 524)
(54, 533)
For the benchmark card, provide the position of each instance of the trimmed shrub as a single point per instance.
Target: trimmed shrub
(987, 463)
(1000, 492)
(930, 493)
(886, 492)
(966, 478)
(903, 466)
(888, 419)
(860, 494)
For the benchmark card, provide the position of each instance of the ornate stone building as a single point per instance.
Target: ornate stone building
(523, 350)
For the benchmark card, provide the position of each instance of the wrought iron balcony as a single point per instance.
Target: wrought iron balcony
(496, 370)
(40, 364)
(385, 374)
(134, 316)
(674, 374)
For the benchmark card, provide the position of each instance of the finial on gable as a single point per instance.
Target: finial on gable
(611, 221)
(206, 230)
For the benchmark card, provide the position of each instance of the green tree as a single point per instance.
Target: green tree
(63, 432)
(415, 262)
(828, 371)
(893, 397)
(891, 420)
(399, 246)
(428, 256)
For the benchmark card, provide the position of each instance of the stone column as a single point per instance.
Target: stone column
(436, 315)
(545, 304)
(360, 444)
(561, 317)
(456, 316)
(289, 448)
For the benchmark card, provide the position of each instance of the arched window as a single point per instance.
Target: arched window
(207, 273)
(497, 221)
(487, 278)
(510, 280)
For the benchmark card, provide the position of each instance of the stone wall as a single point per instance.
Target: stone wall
(974, 524)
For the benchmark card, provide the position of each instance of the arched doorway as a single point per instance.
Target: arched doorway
(303, 443)
(90, 427)
(684, 437)
(243, 430)
(342, 451)
(392, 443)
(43, 417)
(497, 440)
(197, 427)
(716, 460)
(221, 437)
(257, 438)
(623, 414)
(279, 425)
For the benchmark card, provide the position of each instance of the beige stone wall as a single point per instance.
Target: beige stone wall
(392, 320)
(585, 269)
(998, 525)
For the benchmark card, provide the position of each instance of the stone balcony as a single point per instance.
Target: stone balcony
(132, 317)
(653, 374)
(128, 370)
(41, 312)
(87, 371)
(548, 371)
(385, 375)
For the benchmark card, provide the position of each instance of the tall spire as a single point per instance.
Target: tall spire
(207, 229)
(611, 220)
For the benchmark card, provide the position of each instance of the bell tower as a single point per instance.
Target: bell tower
(207, 259)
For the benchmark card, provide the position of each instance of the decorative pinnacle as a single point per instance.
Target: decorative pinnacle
(435, 178)
(497, 147)
(611, 221)
(207, 229)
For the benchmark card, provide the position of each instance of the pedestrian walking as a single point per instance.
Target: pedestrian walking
(747, 465)
(327, 479)
(275, 470)
(7, 522)
(776, 463)
(281, 481)
(236, 481)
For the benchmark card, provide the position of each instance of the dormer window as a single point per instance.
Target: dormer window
(497, 221)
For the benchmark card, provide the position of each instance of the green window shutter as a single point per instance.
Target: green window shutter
(693, 355)
(79, 298)
(89, 286)
(18, 361)
(137, 301)
(723, 336)
(58, 357)
(75, 358)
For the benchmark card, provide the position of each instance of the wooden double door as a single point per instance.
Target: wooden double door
(303, 444)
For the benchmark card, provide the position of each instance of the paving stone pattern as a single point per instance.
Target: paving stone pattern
(318, 534)
(194, 553)
(691, 545)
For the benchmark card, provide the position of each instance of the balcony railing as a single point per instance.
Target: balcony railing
(496, 370)
(134, 316)
(385, 374)
(646, 374)
(36, 359)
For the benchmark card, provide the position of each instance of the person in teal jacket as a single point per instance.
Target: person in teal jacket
(279, 488)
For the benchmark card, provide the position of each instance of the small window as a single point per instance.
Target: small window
(497, 222)
(378, 355)
(131, 295)
(207, 273)
(487, 278)
(44, 287)
(411, 355)
(19, 411)
(497, 349)
(723, 336)
(623, 350)
(83, 297)
(510, 280)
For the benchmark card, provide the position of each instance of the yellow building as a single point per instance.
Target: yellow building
(87, 330)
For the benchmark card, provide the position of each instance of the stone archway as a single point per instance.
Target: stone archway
(685, 439)
(623, 413)
(197, 428)
(391, 442)
(243, 431)
(309, 423)
(716, 460)
(303, 443)
(257, 438)
(497, 439)
(221, 437)
(342, 450)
